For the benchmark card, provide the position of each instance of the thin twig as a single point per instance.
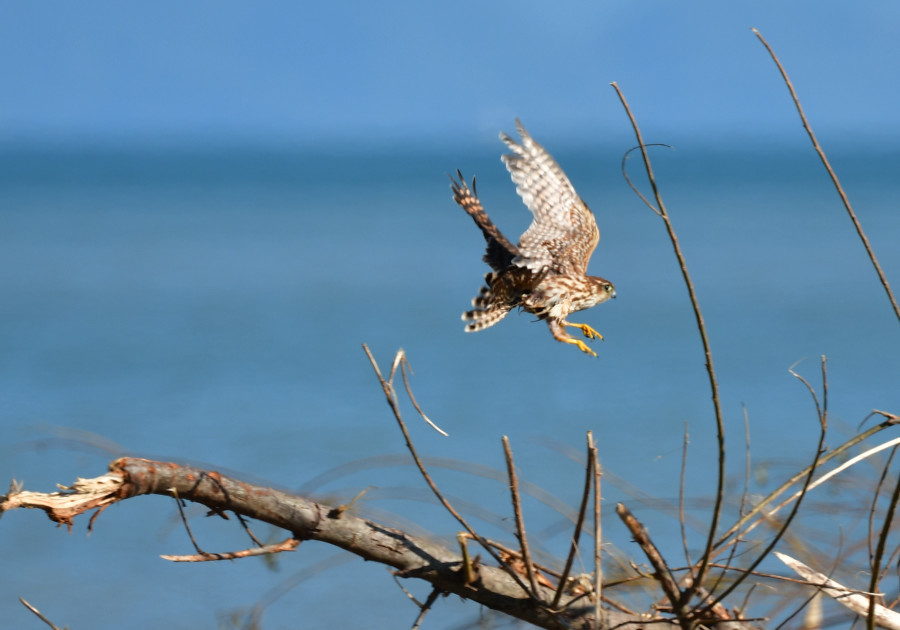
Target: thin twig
(404, 368)
(468, 566)
(833, 176)
(874, 509)
(249, 531)
(807, 602)
(761, 574)
(831, 473)
(858, 601)
(879, 553)
(681, 520)
(432, 597)
(824, 393)
(734, 548)
(823, 424)
(725, 539)
(891, 563)
(289, 544)
(812, 391)
(707, 351)
(579, 523)
(519, 518)
(38, 613)
(660, 568)
(628, 179)
(747, 466)
(598, 532)
(739, 610)
(187, 527)
(893, 418)
(391, 396)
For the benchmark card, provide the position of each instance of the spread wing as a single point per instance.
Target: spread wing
(564, 233)
(500, 252)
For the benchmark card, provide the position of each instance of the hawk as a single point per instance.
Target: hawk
(546, 273)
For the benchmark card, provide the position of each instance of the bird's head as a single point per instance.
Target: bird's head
(598, 290)
(603, 288)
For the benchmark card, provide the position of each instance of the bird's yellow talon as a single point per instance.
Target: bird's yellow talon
(581, 346)
(588, 332)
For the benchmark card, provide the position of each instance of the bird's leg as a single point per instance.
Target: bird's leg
(581, 345)
(559, 333)
(588, 332)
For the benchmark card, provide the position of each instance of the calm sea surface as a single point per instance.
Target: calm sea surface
(210, 306)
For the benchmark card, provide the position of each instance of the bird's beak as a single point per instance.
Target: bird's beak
(613, 294)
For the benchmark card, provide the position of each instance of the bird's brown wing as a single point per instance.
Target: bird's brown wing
(564, 233)
(500, 252)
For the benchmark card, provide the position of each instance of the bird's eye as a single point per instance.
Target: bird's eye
(607, 287)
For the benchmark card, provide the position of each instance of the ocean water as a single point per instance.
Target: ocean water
(209, 306)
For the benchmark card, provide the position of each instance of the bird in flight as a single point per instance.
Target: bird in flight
(546, 273)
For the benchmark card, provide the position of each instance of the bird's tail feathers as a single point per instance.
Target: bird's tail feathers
(487, 311)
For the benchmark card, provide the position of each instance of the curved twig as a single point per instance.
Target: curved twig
(707, 351)
(628, 179)
(389, 392)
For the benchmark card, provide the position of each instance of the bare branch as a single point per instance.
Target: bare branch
(661, 569)
(579, 523)
(833, 176)
(628, 179)
(432, 597)
(819, 481)
(686, 440)
(391, 394)
(38, 614)
(876, 494)
(879, 552)
(730, 536)
(770, 545)
(857, 601)
(404, 368)
(289, 544)
(517, 513)
(411, 557)
(598, 532)
(707, 351)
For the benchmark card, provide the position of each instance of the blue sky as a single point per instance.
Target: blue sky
(423, 72)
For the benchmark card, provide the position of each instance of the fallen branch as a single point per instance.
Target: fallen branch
(857, 601)
(411, 557)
